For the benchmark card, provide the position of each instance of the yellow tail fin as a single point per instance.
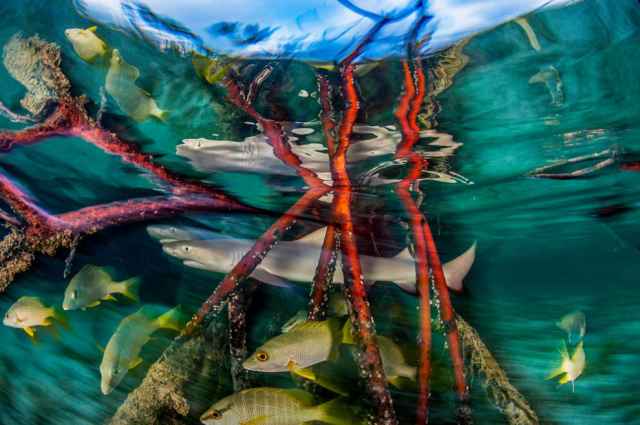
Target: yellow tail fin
(337, 412)
(173, 319)
(131, 288)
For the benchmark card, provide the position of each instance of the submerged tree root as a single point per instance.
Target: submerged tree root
(501, 392)
(190, 369)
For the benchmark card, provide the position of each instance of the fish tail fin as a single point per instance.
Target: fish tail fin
(173, 319)
(555, 372)
(337, 412)
(131, 288)
(161, 114)
(61, 317)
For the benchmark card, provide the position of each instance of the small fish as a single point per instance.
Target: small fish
(86, 43)
(122, 353)
(305, 344)
(212, 70)
(394, 362)
(29, 312)
(276, 406)
(93, 284)
(571, 367)
(575, 325)
(121, 85)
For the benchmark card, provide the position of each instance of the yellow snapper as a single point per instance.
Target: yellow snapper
(134, 331)
(29, 312)
(121, 85)
(571, 367)
(86, 43)
(393, 359)
(276, 406)
(212, 70)
(574, 324)
(93, 284)
(305, 344)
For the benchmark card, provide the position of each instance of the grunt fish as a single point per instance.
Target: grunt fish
(121, 85)
(29, 312)
(86, 43)
(134, 331)
(93, 284)
(571, 367)
(276, 406)
(297, 260)
(305, 344)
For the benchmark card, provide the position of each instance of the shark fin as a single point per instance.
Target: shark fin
(314, 238)
(195, 265)
(271, 279)
(456, 269)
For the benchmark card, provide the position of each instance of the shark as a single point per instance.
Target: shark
(296, 261)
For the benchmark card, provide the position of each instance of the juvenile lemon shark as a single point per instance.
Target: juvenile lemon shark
(297, 261)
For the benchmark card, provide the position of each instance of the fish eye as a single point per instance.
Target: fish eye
(187, 248)
(215, 415)
(262, 356)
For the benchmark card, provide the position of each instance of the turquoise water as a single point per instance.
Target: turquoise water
(546, 247)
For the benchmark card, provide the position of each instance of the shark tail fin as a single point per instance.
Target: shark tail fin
(457, 269)
(337, 412)
(173, 319)
(131, 288)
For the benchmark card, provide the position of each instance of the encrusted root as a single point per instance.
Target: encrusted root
(501, 392)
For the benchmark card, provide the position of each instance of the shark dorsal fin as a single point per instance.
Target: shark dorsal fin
(316, 237)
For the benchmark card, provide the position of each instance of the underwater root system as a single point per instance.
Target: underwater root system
(36, 64)
(501, 392)
(201, 354)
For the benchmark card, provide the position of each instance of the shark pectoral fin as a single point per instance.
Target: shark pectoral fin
(135, 363)
(271, 279)
(30, 331)
(93, 304)
(457, 269)
(110, 297)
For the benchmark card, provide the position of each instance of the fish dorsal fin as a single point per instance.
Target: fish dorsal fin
(93, 272)
(315, 238)
(93, 29)
(456, 269)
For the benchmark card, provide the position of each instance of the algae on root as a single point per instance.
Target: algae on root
(36, 65)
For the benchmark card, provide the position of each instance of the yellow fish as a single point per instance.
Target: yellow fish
(212, 70)
(571, 367)
(123, 350)
(305, 344)
(93, 284)
(276, 406)
(393, 359)
(121, 85)
(29, 312)
(86, 43)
